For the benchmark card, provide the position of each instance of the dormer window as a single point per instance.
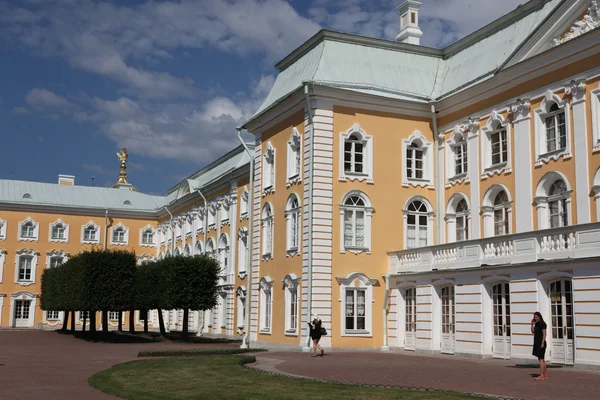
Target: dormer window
(127, 203)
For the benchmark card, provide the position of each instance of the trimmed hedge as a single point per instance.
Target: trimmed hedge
(197, 352)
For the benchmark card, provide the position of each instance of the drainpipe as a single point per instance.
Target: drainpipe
(438, 178)
(385, 346)
(246, 339)
(105, 227)
(306, 347)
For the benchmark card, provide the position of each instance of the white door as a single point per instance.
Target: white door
(448, 320)
(22, 309)
(561, 303)
(410, 333)
(501, 312)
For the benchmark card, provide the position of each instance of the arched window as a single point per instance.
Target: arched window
(198, 248)
(417, 216)
(458, 217)
(147, 236)
(553, 201)
(210, 247)
(58, 232)
(356, 222)
(91, 233)
(28, 230)
(266, 303)
(267, 231)
(177, 252)
(224, 258)
(500, 214)
(293, 222)
(187, 251)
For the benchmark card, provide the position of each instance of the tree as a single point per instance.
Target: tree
(151, 291)
(193, 284)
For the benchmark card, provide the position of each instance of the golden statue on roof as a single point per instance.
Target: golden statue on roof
(123, 155)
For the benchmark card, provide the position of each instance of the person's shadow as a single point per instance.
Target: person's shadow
(532, 366)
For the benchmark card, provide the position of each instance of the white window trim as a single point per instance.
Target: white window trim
(98, 231)
(26, 253)
(146, 257)
(360, 281)
(458, 135)
(210, 243)
(451, 217)
(56, 253)
(268, 170)
(265, 222)
(222, 311)
(36, 231)
(66, 228)
(265, 285)
(79, 318)
(541, 198)
(367, 141)
(290, 284)
(244, 203)
(489, 169)
(430, 219)
(2, 261)
(225, 248)
(289, 212)
(488, 210)
(242, 252)
(177, 252)
(126, 235)
(53, 322)
(3, 224)
(178, 226)
(368, 209)
(541, 155)
(294, 147)
(32, 309)
(198, 249)
(428, 171)
(212, 217)
(198, 215)
(224, 205)
(595, 96)
(148, 228)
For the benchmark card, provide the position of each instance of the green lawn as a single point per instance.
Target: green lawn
(220, 377)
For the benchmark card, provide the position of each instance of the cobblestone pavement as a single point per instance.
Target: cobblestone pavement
(37, 365)
(493, 377)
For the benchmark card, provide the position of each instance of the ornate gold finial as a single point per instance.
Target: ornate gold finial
(123, 172)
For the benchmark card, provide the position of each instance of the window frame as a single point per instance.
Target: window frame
(267, 231)
(56, 254)
(357, 281)
(429, 214)
(293, 222)
(224, 252)
(116, 229)
(496, 124)
(426, 147)
(268, 169)
(542, 154)
(26, 254)
(243, 252)
(29, 222)
(543, 199)
(148, 229)
(367, 152)
(367, 209)
(266, 305)
(490, 209)
(595, 105)
(244, 201)
(294, 158)
(97, 230)
(453, 215)
(65, 227)
(291, 299)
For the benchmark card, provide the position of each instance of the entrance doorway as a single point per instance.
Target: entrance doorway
(561, 308)
(22, 311)
(501, 315)
(410, 307)
(448, 320)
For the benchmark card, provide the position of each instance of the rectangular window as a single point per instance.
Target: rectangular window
(294, 230)
(462, 228)
(27, 230)
(293, 310)
(25, 268)
(223, 316)
(460, 158)
(148, 237)
(113, 315)
(89, 234)
(119, 236)
(267, 315)
(84, 315)
(58, 232)
(414, 163)
(556, 131)
(22, 309)
(354, 228)
(56, 261)
(500, 222)
(52, 315)
(355, 310)
(499, 147)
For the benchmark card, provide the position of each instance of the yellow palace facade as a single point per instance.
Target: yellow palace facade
(413, 198)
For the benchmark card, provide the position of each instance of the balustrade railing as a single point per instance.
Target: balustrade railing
(576, 241)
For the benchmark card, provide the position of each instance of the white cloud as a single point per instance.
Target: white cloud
(45, 99)
(21, 111)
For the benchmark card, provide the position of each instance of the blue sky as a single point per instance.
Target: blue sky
(169, 80)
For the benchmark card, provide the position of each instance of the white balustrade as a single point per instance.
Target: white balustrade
(576, 241)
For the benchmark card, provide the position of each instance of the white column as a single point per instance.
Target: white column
(523, 165)
(580, 149)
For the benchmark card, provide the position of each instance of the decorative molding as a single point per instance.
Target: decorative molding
(125, 242)
(146, 258)
(2, 260)
(495, 123)
(367, 141)
(589, 22)
(520, 110)
(36, 231)
(34, 259)
(577, 90)
(3, 225)
(268, 170)
(543, 156)
(90, 224)
(352, 276)
(595, 105)
(368, 210)
(154, 233)
(65, 239)
(56, 253)
(427, 161)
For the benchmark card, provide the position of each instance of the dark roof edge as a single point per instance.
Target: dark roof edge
(325, 34)
(493, 27)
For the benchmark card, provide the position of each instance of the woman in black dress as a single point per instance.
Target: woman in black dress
(315, 335)
(538, 328)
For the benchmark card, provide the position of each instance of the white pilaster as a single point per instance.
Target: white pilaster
(472, 128)
(521, 112)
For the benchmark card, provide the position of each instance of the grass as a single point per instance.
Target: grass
(221, 377)
(196, 352)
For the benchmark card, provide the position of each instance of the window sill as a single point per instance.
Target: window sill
(28, 239)
(553, 155)
(265, 332)
(292, 252)
(460, 178)
(355, 250)
(361, 333)
(268, 190)
(291, 332)
(352, 176)
(244, 215)
(25, 283)
(267, 256)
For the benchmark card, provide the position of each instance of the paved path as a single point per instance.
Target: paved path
(38, 365)
(496, 377)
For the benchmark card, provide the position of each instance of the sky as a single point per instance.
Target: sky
(169, 80)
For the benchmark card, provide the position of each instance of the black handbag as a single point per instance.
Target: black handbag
(323, 331)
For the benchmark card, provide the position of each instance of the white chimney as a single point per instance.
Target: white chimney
(409, 22)
(66, 180)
